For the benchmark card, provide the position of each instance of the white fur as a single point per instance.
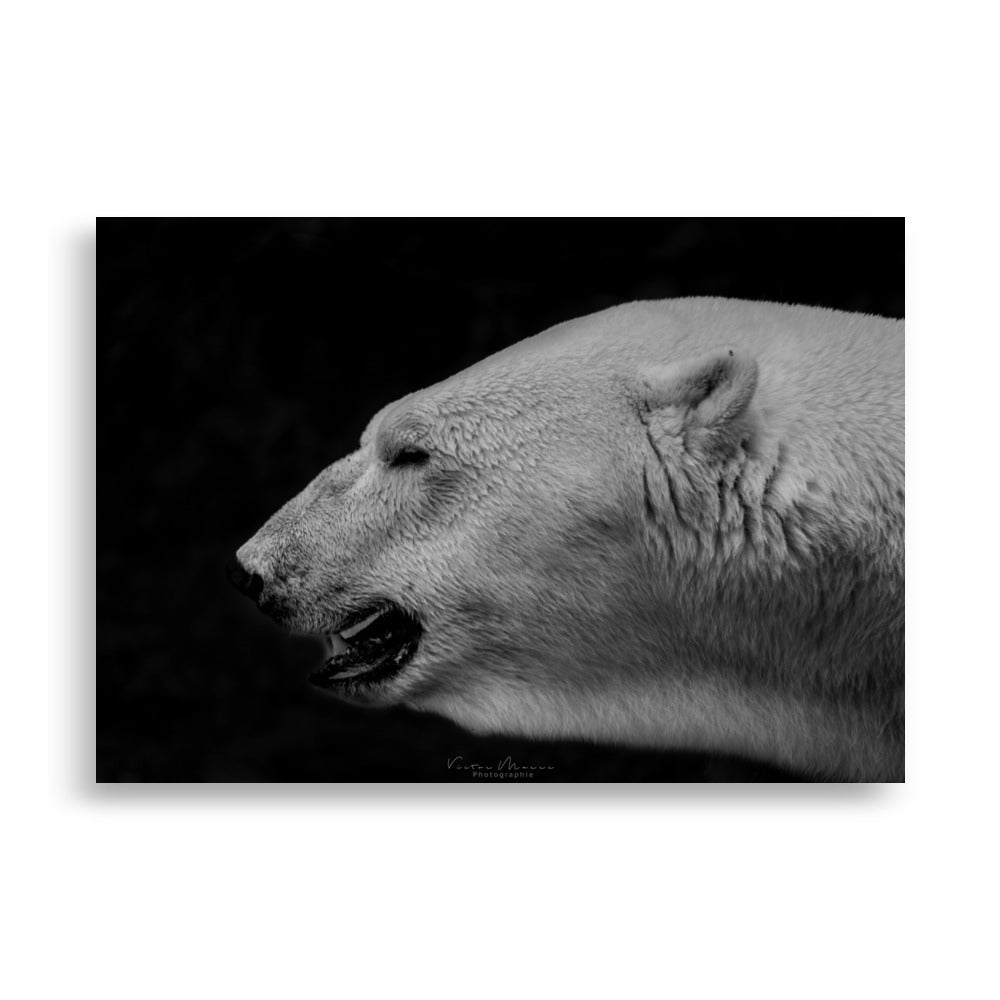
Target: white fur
(674, 524)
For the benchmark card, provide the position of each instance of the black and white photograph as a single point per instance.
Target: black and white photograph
(498, 500)
(519, 500)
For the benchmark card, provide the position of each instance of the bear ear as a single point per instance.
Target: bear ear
(704, 398)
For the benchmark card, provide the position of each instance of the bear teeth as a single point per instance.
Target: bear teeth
(337, 644)
(349, 633)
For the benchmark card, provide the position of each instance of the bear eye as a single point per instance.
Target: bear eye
(408, 455)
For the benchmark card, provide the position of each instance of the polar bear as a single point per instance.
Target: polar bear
(673, 524)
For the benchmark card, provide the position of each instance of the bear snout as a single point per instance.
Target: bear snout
(275, 593)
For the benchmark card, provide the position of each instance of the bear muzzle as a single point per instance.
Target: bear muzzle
(252, 584)
(367, 645)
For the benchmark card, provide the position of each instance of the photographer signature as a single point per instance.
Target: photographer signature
(507, 764)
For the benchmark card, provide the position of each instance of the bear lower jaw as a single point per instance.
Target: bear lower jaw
(376, 644)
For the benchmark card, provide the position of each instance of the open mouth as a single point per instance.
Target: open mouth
(372, 646)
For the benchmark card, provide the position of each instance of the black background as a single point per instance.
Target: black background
(236, 358)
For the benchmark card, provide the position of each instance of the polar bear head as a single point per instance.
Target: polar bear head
(517, 547)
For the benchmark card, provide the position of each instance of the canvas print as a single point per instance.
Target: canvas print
(501, 500)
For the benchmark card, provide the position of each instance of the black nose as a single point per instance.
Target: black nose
(250, 584)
